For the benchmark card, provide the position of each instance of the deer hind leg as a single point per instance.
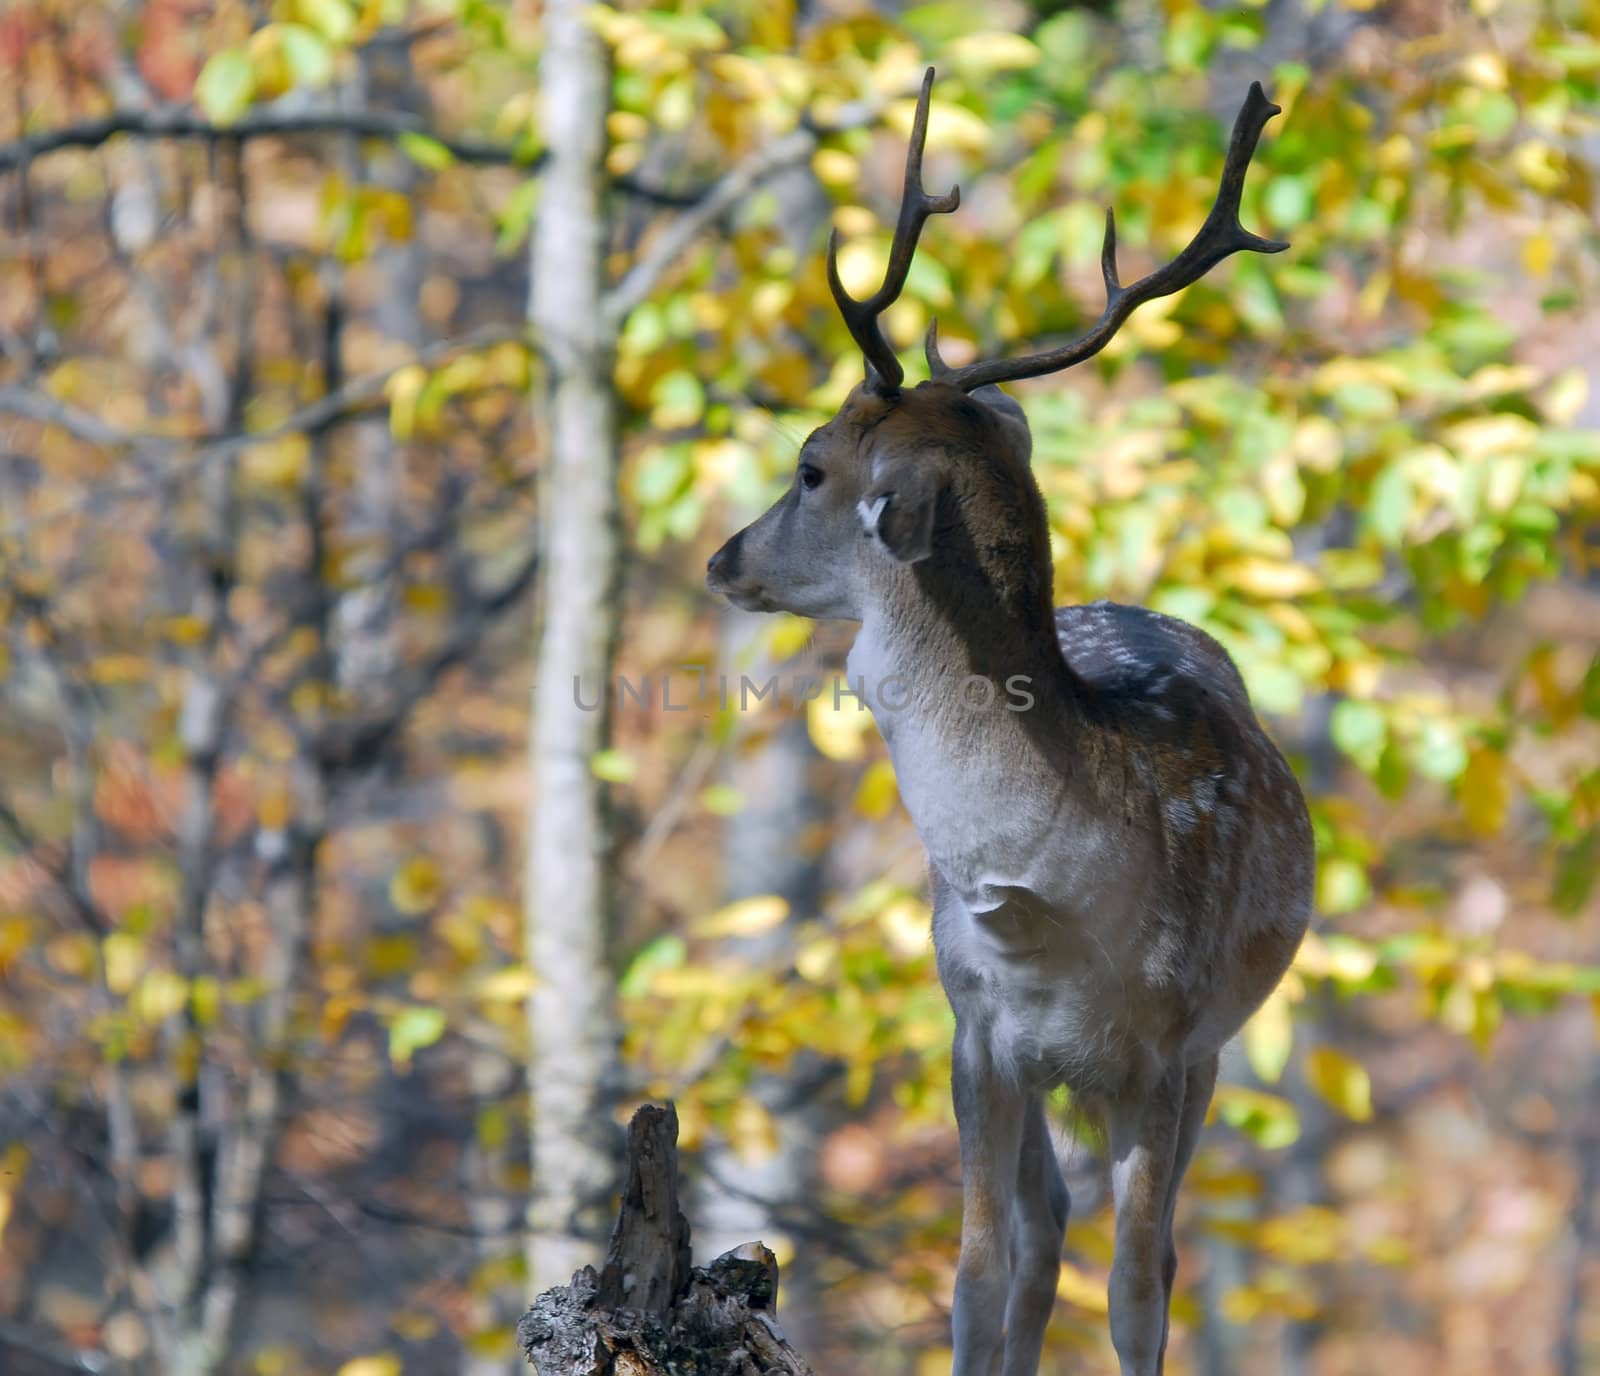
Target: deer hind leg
(990, 1115)
(1038, 1223)
(1197, 1087)
(1145, 1129)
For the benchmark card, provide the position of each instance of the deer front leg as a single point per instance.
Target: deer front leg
(1038, 1222)
(989, 1112)
(1145, 1128)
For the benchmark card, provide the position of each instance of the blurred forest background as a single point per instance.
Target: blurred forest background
(366, 363)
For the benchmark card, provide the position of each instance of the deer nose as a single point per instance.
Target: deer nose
(723, 566)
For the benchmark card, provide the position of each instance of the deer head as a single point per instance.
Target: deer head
(900, 475)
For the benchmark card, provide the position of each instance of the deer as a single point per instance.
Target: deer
(1120, 859)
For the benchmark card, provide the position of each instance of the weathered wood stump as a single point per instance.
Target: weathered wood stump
(649, 1312)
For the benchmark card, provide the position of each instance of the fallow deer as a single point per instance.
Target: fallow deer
(1121, 872)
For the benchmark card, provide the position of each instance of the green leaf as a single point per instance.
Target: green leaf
(1271, 1121)
(333, 19)
(1359, 729)
(1269, 1037)
(412, 1030)
(678, 399)
(1389, 504)
(1441, 753)
(664, 953)
(614, 766)
(309, 57)
(516, 215)
(226, 86)
(1287, 201)
(425, 152)
(1342, 885)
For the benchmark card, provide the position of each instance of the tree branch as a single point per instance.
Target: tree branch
(311, 419)
(20, 1338)
(794, 147)
(184, 122)
(353, 744)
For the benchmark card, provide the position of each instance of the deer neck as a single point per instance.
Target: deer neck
(985, 722)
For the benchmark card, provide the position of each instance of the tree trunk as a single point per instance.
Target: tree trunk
(648, 1312)
(568, 897)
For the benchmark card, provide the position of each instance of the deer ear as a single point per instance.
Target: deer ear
(899, 511)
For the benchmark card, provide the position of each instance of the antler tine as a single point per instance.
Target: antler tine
(861, 317)
(1219, 236)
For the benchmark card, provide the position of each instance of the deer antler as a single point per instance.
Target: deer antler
(884, 372)
(1219, 236)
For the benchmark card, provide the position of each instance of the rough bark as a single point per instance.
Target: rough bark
(648, 1312)
(572, 1021)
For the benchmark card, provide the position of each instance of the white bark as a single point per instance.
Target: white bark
(568, 896)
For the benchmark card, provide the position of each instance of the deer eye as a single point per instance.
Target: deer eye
(810, 477)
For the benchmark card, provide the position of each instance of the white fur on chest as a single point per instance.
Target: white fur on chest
(993, 819)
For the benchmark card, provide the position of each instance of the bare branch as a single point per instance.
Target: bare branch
(312, 419)
(183, 122)
(717, 201)
(352, 744)
(20, 1338)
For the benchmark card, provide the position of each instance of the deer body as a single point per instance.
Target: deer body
(1120, 858)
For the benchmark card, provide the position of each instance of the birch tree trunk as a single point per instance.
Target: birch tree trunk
(568, 896)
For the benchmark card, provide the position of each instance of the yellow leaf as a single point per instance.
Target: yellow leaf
(1343, 1082)
(949, 126)
(1305, 1237)
(748, 917)
(1538, 253)
(1348, 960)
(815, 959)
(415, 886)
(184, 630)
(161, 995)
(838, 731)
(207, 998)
(117, 669)
(1081, 1289)
(379, 1364)
(993, 52)
(1485, 791)
(858, 1083)
(907, 926)
(278, 463)
(1482, 437)
(860, 266)
(403, 389)
(1271, 578)
(835, 167)
(1565, 397)
(1485, 68)
(878, 791)
(789, 635)
(752, 1134)
(124, 958)
(16, 936)
(1540, 165)
(1269, 1036)
(509, 985)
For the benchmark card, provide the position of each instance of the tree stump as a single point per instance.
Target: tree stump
(649, 1312)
